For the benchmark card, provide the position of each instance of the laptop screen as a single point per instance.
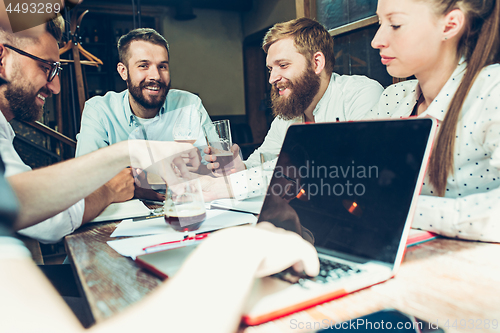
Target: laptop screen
(347, 187)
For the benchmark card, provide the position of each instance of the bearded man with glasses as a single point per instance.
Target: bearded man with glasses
(32, 66)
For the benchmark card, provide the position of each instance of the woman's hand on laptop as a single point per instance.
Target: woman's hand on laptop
(283, 249)
(222, 269)
(266, 248)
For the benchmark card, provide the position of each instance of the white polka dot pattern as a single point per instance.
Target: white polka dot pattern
(471, 206)
(250, 183)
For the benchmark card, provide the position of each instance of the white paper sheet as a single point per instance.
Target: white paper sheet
(216, 219)
(252, 205)
(123, 210)
(132, 247)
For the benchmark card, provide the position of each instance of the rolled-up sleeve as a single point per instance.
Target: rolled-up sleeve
(54, 229)
(252, 182)
(272, 143)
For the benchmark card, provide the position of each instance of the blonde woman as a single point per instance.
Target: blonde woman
(452, 48)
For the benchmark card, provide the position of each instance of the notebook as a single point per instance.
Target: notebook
(250, 205)
(349, 189)
(417, 237)
(123, 210)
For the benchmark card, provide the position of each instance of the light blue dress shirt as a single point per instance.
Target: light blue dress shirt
(108, 119)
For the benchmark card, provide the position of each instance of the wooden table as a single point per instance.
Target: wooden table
(109, 281)
(440, 281)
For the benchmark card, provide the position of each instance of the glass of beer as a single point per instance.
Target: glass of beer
(184, 206)
(218, 135)
(187, 127)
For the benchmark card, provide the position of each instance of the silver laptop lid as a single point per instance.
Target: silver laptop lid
(348, 187)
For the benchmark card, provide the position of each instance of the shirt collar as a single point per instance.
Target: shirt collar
(327, 93)
(131, 117)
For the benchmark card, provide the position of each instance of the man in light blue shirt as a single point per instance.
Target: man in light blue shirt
(148, 109)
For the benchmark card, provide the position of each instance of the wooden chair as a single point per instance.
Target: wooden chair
(34, 247)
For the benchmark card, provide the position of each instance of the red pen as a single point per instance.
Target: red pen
(189, 240)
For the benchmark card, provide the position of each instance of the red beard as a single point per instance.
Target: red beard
(302, 93)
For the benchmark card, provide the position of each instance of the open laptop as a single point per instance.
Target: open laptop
(350, 189)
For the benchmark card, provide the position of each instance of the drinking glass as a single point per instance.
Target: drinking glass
(184, 206)
(187, 127)
(218, 135)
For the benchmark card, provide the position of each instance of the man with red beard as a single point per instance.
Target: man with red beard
(300, 60)
(33, 67)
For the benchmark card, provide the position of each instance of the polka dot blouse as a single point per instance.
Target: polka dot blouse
(470, 208)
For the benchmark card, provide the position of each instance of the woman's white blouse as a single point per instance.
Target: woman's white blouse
(470, 208)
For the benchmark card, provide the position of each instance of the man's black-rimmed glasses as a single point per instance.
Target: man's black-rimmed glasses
(55, 67)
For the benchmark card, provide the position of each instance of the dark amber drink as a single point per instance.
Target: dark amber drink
(191, 141)
(224, 159)
(188, 217)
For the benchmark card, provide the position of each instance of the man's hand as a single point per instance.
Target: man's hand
(235, 166)
(166, 159)
(149, 194)
(187, 159)
(143, 189)
(121, 187)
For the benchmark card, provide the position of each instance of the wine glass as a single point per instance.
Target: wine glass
(184, 206)
(218, 135)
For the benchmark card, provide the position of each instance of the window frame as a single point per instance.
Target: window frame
(307, 8)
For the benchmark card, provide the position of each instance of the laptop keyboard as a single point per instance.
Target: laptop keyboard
(329, 271)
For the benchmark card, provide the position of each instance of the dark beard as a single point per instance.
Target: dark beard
(22, 102)
(303, 91)
(154, 103)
